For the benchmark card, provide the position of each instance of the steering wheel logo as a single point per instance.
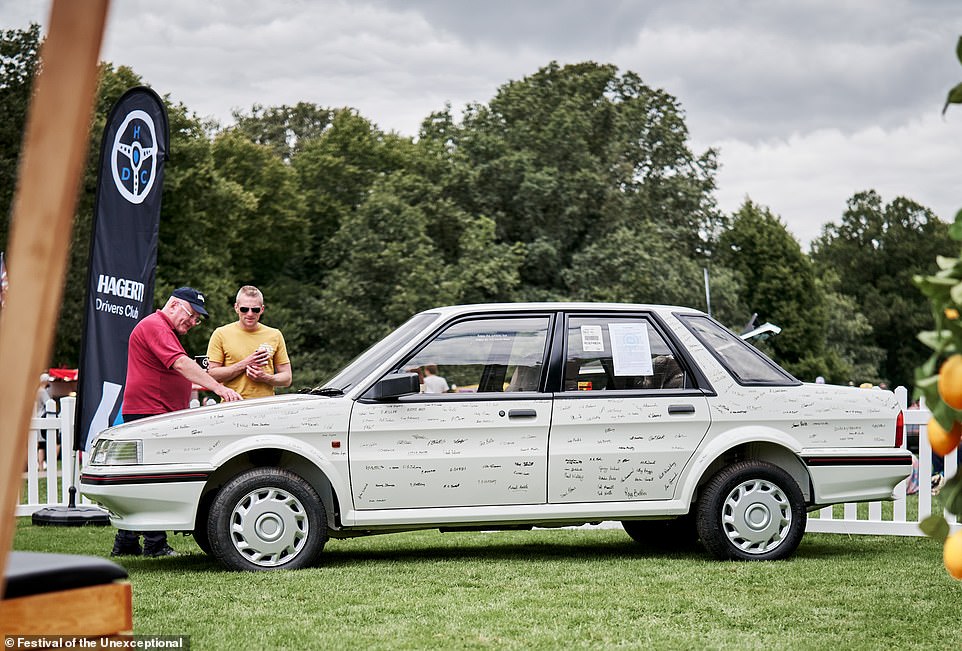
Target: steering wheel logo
(134, 157)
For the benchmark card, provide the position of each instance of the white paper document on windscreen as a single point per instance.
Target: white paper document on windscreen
(630, 349)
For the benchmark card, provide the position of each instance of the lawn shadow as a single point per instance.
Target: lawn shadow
(498, 550)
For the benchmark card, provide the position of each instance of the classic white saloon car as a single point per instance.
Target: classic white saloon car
(558, 414)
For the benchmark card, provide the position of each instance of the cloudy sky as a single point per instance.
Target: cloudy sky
(807, 101)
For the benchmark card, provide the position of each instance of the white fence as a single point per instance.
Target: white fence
(59, 479)
(899, 524)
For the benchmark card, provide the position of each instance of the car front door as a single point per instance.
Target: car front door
(629, 415)
(482, 441)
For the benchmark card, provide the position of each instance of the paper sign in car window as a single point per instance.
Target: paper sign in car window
(630, 349)
(591, 340)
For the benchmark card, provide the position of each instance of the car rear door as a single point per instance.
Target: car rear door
(629, 414)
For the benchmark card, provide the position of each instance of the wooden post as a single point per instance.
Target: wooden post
(51, 164)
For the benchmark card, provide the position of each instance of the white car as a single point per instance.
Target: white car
(557, 414)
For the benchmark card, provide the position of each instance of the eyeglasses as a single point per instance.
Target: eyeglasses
(245, 310)
(195, 318)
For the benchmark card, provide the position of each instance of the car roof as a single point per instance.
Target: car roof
(454, 310)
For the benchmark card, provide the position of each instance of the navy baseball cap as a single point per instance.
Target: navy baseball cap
(192, 296)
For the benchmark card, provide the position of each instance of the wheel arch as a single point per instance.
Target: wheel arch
(751, 443)
(274, 456)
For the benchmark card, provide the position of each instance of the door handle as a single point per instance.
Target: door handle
(522, 413)
(677, 410)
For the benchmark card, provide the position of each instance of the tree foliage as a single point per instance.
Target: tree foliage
(569, 155)
(19, 50)
(875, 251)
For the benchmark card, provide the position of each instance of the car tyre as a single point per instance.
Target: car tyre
(676, 534)
(751, 510)
(200, 537)
(267, 519)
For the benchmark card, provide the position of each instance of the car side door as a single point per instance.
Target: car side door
(482, 442)
(629, 414)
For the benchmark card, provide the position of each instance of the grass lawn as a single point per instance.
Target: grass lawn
(545, 589)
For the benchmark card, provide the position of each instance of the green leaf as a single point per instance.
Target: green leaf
(935, 526)
(952, 495)
(955, 230)
(928, 382)
(946, 262)
(958, 50)
(934, 339)
(955, 97)
(944, 414)
(956, 294)
(941, 281)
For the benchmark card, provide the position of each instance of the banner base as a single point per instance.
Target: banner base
(67, 516)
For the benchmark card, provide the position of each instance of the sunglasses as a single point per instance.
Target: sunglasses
(245, 310)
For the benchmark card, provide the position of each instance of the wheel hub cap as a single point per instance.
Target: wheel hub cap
(269, 527)
(756, 516)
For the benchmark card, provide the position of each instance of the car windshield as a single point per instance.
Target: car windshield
(365, 363)
(742, 360)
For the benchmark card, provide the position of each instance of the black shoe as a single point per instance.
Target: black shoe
(126, 550)
(159, 552)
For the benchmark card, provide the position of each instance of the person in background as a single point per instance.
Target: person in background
(43, 395)
(160, 375)
(247, 355)
(434, 383)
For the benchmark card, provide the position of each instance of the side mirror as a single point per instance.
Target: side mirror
(395, 385)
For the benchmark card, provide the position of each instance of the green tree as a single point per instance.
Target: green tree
(390, 267)
(645, 265)
(336, 171)
(569, 154)
(284, 129)
(19, 52)
(851, 353)
(777, 283)
(875, 251)
(271, 231)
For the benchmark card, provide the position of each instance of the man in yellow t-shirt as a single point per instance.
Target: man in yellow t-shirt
(247, 355)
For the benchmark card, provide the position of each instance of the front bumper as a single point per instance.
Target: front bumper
(150, 499)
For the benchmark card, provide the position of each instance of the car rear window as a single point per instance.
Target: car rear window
(743, 361)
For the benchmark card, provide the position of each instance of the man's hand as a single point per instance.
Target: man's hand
(256, 373)
(227, 395)
(259, 357)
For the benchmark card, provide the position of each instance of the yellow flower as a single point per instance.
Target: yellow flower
(951, 313)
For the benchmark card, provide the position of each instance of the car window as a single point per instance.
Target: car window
(484, 355)
(605, 353)
(743, 361)
(362, 365)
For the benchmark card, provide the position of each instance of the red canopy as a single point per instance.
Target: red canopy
(63, 374)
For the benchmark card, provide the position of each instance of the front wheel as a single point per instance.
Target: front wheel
(267, 519)
(751, 510)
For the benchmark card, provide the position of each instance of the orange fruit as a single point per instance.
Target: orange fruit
(950, 381)
(952, 555)
(942, 441)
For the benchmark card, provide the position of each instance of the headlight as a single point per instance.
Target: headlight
(117, 453)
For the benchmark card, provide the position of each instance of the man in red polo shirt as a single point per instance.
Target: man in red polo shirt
(159, 379)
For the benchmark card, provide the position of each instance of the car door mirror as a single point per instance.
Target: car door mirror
(395, 385)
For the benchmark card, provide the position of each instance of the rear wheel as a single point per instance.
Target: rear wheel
(267, 519)
(751, 510)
